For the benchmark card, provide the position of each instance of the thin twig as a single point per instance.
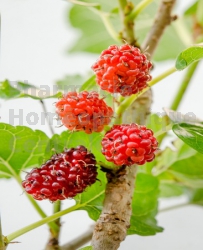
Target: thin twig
(45, 113)
(174, 207)
(162, 20)
(79, 241)
(53, 242)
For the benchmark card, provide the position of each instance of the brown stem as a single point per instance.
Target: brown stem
(79, 241)
(53, 242)
(111, 227)
(113, 223)
(162, 19)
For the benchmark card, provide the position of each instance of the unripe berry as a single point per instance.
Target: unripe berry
(84, 111)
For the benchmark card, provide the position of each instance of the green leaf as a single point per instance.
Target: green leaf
(190, 134)
(70, 139)
(197, 197)
(86, 248)
(93, 36)
(192, 9)
(155, 123)
(7, 91)
(158, 124)
(180, 167)
(144, 206)
(200, 12)
(92, 199)
(70, 82)
(188, 56)
(89, 84)
(20, 89)
(170, 190)
(189, 171)
(168, 157)
(20, 148)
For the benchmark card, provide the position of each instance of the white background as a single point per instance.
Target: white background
(34, 40)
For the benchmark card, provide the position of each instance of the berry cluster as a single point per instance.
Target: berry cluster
(84, 111)
(63, 176)
(123, 70)
(129, 144)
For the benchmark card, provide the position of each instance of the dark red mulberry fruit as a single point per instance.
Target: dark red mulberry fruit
(84, 111)
(123, 70)
(63, 176)
(129, 144)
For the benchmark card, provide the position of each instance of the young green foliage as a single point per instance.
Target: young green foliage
(144, 206)
(7, 91)
(188, 56)
(20, 148)
(191, 134)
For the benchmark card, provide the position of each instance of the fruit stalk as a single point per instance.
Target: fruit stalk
(111, 227)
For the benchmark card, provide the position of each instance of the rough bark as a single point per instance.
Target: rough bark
(111, 227)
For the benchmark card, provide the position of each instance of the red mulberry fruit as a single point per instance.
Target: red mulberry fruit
(129, 144)
(84, 111)
(123, 70)
(63, 176)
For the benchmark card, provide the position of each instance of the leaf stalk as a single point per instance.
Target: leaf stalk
(138, 9)
(39, 223)
(184, 85)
